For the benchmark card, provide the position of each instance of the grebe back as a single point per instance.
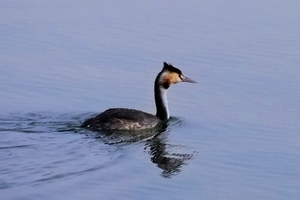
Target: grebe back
(131, 119)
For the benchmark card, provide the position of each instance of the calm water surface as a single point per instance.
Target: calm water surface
(234, 135)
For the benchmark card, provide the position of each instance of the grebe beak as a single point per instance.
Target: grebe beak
(186, 79)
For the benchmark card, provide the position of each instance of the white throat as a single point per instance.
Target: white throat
(165, 100)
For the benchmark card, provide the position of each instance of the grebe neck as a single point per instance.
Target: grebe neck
(160, 93)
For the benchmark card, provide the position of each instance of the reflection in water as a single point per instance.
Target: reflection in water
(161, 153)
(164, 159)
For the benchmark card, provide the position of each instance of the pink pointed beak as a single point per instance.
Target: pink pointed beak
(186, 79)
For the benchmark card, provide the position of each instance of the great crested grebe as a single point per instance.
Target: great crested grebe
(131, 119)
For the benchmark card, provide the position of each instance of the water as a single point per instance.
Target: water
(234, 135)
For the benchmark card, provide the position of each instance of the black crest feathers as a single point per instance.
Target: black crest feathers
(171, 68)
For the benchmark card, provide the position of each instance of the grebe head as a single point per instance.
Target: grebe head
(171, 75)
(167, 76)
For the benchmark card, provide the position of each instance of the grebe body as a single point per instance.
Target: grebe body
(131, 119)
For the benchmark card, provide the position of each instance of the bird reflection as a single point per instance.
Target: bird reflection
(161, 154)
(164, 155)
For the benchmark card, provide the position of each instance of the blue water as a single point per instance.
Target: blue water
(233, 135)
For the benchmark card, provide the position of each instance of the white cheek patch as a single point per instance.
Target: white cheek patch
(163, 76)
(170, 78)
